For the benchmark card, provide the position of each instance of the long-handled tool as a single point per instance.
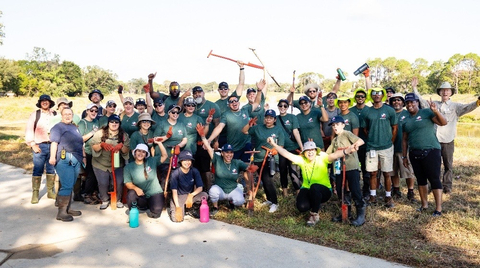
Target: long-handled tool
(165, 193)
(273, 78)
(247, 64)
(251, 203)
(293, 93)
(113, 195)
(344, 205)
(268, 152)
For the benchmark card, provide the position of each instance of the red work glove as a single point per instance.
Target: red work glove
(337, 77)
(117, 148)
(170, 132)
(210, 116)
(273, 151)
(252, 168)
(146, 88)
(366, 72)
(120, 89)
(106, 146)
(252, 122)
(200, 130)
(177, 150)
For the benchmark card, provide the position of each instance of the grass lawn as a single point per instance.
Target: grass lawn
(399, 234)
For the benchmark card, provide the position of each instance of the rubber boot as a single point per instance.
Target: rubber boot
(71, 211)
(50, 186)
(339, 217)
(36, 180)
(360, 220)
(62, 214)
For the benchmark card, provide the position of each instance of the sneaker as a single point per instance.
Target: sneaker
(421, 209)
(267, 203)
(314, 218)
(437, 213)
(447, 191)
(213, 212)
(273, 208)
(119, 204)
(372, 200)
(411, 196)
(193, 213)
(389, 202)
(153, 215)
(127, 211)
(104, 205)
(396, 193)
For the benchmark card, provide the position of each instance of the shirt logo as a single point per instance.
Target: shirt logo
(148, 169)
(419, 118)
(234, 171)
(287, 123)
(402, 118)
(180, 132)
(383, 116)
(310, 120)
(189, 125)
(347, 122)
(202, 111)
(244, 116)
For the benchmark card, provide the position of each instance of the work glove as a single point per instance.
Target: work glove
(252, 168)
(366, 72)
(120, 89)
(273, 151)
(210, 116)
(156, 139)
(146, 88)
(117, 148)
(200, 130)
(106, 146)
(169, 132)
(252, 122)
(177, 150)
(178, 214)
(189, 201)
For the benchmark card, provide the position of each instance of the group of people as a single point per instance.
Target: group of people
(164, 148)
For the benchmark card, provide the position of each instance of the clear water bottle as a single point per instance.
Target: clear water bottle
(133, 215)
(204, 211)
(272, 165)
(338, 166)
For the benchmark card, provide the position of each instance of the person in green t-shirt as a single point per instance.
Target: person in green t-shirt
(144, 134)
(309, 121)
(140, 177)
(423, 149)
(190, 120)
(343, 139)
(129, 117)
(316, 188)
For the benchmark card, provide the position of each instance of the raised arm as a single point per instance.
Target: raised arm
(282, 150)
(216, 131)
(438, 119)
(163, 151)
(241, 79)
(423, 103)
(206, 143)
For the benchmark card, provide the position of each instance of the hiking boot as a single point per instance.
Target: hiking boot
(396, 193)
(314, 218)
(50, 186)
(71, 211)
(372, 200)
(213, 212)
(194, 213)
(273, 208)
(389, 202)
(411, 196)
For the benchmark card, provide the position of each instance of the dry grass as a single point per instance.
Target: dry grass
(400, 234)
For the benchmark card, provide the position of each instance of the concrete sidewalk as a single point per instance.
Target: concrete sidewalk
(30, 236)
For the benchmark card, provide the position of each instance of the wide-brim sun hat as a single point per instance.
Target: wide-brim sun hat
(309, 86)
(394, 96)
(142, 147)
(445, 85)
(310, 145)
(145, 117)
(384, 97)
(185, 155)
(344, 98)
(43, 98)
(64, 100)
(95, 91)
(360, 90)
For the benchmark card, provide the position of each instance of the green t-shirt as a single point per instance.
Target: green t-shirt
(139, 138)
(85, 127)
(260, 133)
(169, 101)
(135, 174)
(192, 135)
(223, 104)
(158, 119)
(397, 146)
(358, 112)
(421, 130)
(345, 139)
(58, 118)
(129, 124)
(310, 125)
(202, 110)
(259, 112)
(178, 133)
(315, 172)
(234, 122)
(351, 121)
(226, 175)
(290, 122)
(379, 122)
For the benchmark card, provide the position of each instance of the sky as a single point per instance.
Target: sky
(173, 38)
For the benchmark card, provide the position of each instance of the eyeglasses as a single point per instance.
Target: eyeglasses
(400, 100)
(303, 103)
(360, 96)
(174, 112)
(282, 106)
(232, 101)
(93, 110)
(112, 105)
(312, 91)
(223, 88)
(115, 122)
(377, 93)
(158, 105)
(145, 121)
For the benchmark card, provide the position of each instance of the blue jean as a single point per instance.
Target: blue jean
(40, 160)
(67, 170)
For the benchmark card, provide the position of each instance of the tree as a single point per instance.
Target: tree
(9, 71)
(308, 78)
(98, 78)
(72, 83)
(2, 33)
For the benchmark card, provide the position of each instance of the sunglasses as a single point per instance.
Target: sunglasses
(232, 101)
(377, 93)
(158, 105)
(114, 122)
(145, 121)
(189, 105)
(303, 103)
(312, 91)
(173, 87)
(282, 106)
(93, 110)
(112, 105)
(360, 96)
(174, 112)
(223, 88)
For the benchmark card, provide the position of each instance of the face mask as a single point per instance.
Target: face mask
(198, 100)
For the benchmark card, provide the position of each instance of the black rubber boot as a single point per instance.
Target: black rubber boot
(71, 211)
(62, 214)
(360, 220)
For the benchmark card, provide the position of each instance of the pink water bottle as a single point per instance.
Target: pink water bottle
(204, 211)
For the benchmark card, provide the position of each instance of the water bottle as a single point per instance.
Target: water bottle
(361, 69)
(341, 74)
(133, 215)
(272, 165)
(174, 161)
(337, 166)
(204, 211)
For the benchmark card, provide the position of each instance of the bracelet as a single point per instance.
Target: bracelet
(344, 152)
(241, 69)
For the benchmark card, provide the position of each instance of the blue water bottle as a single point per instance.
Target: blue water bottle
(133, 215)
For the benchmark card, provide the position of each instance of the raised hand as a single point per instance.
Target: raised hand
(366, 72)
(252, 122)
(146, 88)
(261, 84)
(414, 82)
(200, 130)
(433, 106)
(209, 119)
(120, 89)
(151, 76)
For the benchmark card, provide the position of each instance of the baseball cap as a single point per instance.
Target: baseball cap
(271, 113)
(223, 84)
(227, 148)
(411, 97)
(336, 119)
(251, 90)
